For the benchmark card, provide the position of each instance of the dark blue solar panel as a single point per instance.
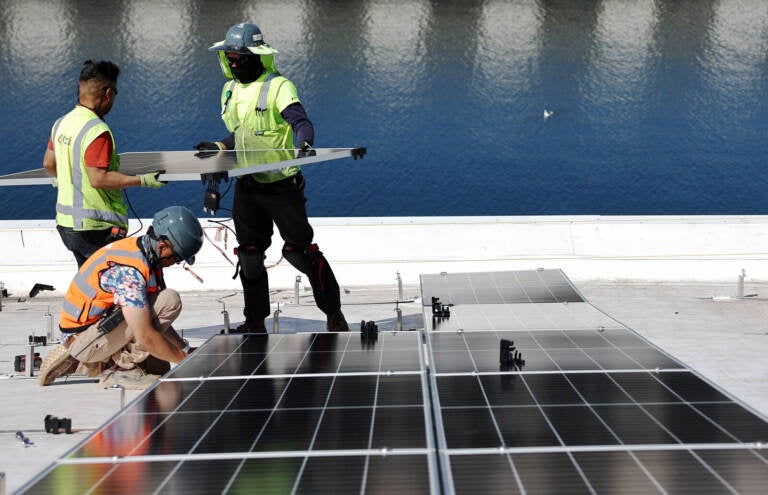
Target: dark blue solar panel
(585, 409)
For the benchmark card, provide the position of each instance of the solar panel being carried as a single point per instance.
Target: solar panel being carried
(538, 405)
(190, 165)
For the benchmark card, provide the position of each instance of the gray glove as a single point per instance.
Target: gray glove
(150, 180)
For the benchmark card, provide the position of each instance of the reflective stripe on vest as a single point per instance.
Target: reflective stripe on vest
(77, 211)
(55, 130)
(262, 105)
(85, 302)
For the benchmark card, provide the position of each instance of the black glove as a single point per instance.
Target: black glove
(207, 149)
(207, 145)
(305, 149)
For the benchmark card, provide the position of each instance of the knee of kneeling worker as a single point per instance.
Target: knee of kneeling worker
(167, 303)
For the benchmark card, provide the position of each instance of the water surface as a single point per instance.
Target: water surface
(659, 107)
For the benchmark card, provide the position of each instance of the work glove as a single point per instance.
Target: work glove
(55, 183)
(150, 180)
(206, 149)
(305, 149)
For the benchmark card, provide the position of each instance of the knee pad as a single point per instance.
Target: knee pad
(250, 262)
(301, 257)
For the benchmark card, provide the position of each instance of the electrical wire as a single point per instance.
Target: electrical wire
(130, 206)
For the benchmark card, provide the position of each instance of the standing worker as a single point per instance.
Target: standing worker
(81, 156)
(261, 109)
(117, 310)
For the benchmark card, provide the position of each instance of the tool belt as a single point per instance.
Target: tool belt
(106, 324)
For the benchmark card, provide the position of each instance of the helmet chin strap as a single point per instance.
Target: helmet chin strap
(149, 245)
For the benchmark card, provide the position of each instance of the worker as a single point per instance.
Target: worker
(117, 313)
(262, 111)
(90, 210)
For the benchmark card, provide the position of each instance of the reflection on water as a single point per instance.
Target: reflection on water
(658, 106)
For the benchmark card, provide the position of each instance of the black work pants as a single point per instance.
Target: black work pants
(255, 208)
(83, 243)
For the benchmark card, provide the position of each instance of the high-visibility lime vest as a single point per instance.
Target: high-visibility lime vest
(80, 205)
(85, 301)
(252, 112)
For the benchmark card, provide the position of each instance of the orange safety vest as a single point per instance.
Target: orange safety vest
(85, 301)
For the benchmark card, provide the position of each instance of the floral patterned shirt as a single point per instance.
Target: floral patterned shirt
(126, 284)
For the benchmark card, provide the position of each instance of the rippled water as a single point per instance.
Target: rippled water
(659, 107)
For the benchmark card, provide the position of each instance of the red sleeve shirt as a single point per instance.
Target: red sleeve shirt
(98, 152)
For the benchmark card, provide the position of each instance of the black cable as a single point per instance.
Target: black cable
(141, 224)
(128, 202)
(229, 186)
(221, 222)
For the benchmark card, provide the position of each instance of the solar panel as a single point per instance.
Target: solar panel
(590, 406)
(189, 165)
(304, 413)
(580, 408)
(515, 300)
(526, 286)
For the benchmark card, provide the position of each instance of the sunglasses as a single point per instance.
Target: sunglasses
(236, 60)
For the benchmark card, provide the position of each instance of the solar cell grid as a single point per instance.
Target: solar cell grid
(454, 352)
(594, 408)
(499, 287)
(306, 425)
(586, 395)
(519, 317)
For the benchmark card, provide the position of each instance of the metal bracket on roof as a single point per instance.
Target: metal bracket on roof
(440, 310)
(369, 333)
(224, 312)
(509, 356)
(56, 425)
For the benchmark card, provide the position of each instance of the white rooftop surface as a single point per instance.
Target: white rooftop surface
(674, 280)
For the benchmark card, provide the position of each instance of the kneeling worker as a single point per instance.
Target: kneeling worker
(117, 312)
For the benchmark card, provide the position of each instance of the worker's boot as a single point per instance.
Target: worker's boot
(251, 326)
(57, 363)
(337, 322)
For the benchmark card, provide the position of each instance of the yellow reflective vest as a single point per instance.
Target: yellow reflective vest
(80, 205)
(252, 112)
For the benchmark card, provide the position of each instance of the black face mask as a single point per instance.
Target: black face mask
(247, 69)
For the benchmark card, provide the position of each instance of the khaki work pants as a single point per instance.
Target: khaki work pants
(95, 350)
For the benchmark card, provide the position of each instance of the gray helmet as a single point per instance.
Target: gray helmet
(244, 38)
(180, 226)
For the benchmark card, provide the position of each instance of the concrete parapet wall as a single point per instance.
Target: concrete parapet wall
(365, 251)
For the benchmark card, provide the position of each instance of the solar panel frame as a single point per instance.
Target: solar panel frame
(304, 411)
(190, 165)
(511, 287)
(587, 407)
(633, 411)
